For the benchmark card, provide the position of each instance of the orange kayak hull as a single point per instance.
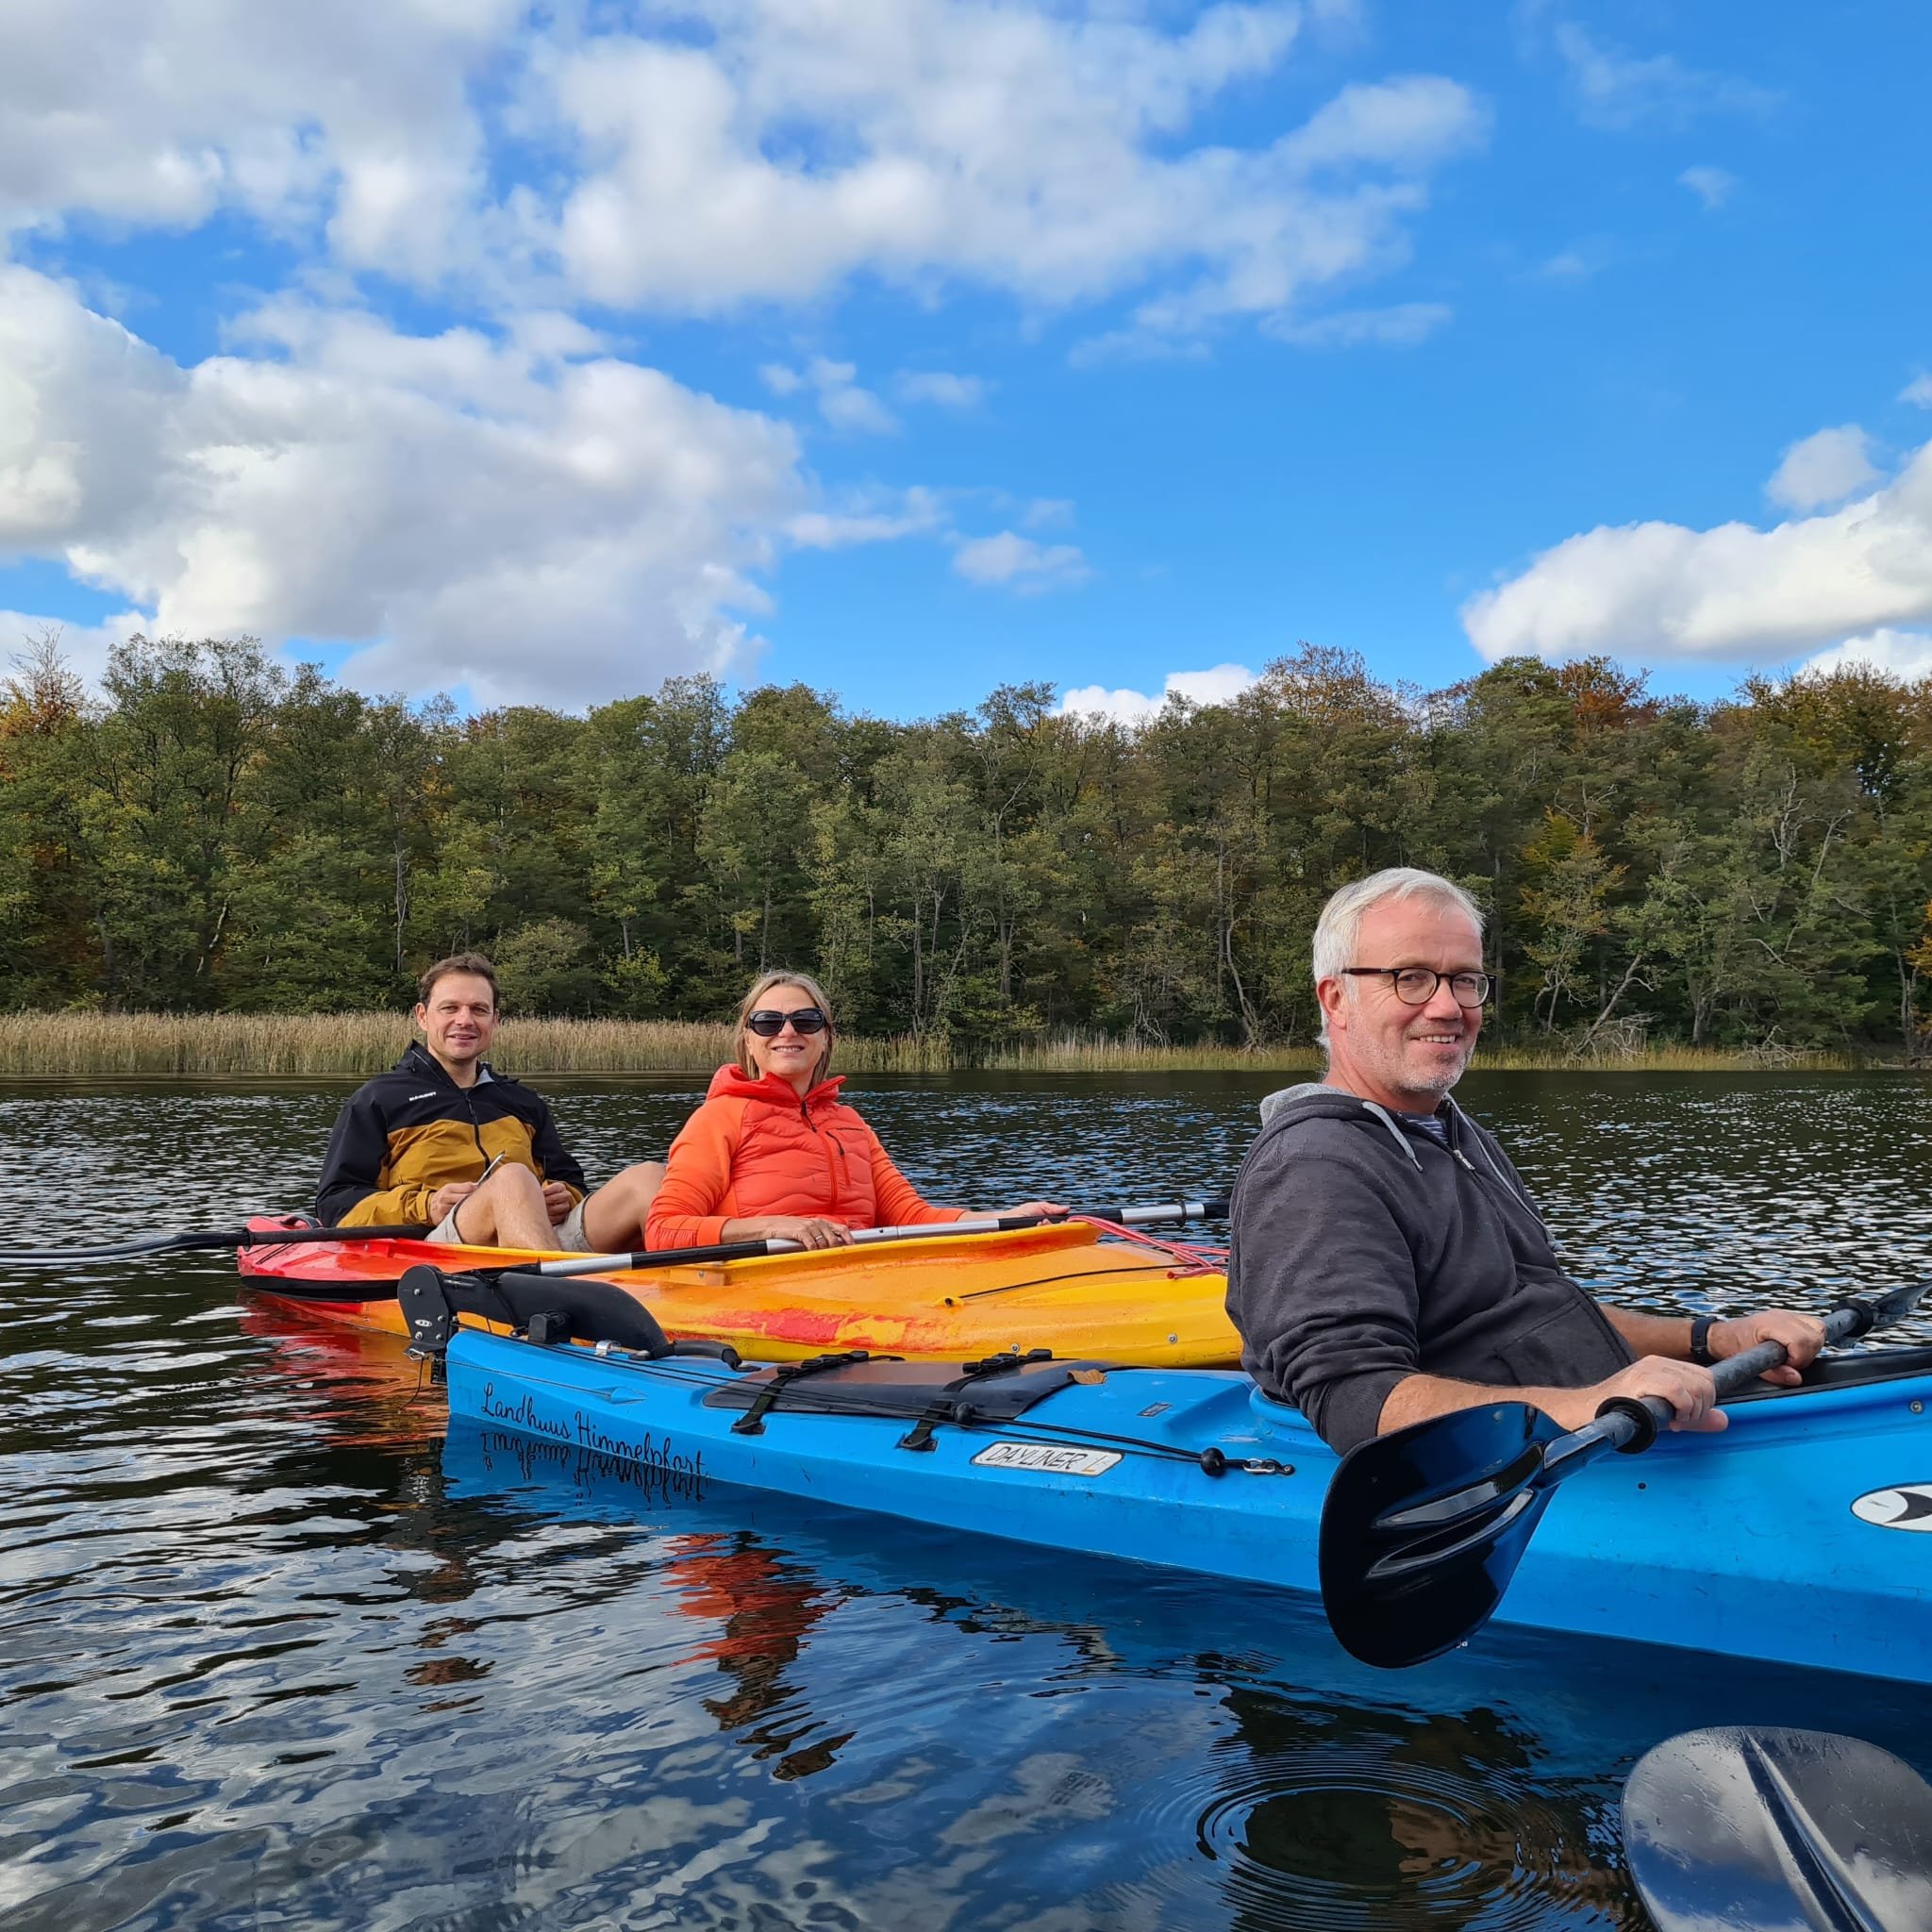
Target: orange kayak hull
(1062, 1287)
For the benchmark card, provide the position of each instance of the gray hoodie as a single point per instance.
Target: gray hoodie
(1364, 1251)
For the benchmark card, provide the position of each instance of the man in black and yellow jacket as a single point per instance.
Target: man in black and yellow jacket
(443, 1140)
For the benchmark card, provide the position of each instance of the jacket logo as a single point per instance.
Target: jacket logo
(430, 1096)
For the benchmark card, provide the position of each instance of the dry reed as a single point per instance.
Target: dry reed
(352, 1045)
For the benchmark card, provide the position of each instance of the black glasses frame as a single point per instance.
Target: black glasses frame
(1396, 974)
(767, 1022)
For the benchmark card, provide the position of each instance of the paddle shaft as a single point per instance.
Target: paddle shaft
(865, 1237)
(1632, 1423)
(1212, 1208)
(215, 1238)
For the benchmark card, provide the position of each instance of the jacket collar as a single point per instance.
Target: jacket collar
(729, 1080)
(418, 1059)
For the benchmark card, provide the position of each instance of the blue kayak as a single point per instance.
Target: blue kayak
(1802, 1535)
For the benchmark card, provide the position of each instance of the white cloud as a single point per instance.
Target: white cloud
(466, 510)
(1219, 686)
(1029, 150)
(842, 402)
(936, 386)
(916, 513)
(1903, 654)
(1824, 468)
(1657, 590)
(1617, 90)
(1020, 563)
(357, 114)
(1917, 391)
(1398, 327)
(539, 160)
(1713, 186)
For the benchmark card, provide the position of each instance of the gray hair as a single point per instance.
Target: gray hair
(1341, 923)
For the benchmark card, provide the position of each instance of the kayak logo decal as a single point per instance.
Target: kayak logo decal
(1905, 1505)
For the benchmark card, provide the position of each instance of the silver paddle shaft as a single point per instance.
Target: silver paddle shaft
(1209, 1210)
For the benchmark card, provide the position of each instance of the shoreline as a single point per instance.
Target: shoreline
(72, 1046)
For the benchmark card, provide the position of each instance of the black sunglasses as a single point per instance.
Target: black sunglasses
(767, 1025)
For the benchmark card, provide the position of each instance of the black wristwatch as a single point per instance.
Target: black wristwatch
(1700, 1340)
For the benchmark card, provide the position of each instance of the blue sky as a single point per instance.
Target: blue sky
(907, 347)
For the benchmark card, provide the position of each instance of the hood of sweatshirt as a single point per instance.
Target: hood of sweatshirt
(1311, 1101)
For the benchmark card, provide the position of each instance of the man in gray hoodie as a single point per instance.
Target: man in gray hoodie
(1386, 1262)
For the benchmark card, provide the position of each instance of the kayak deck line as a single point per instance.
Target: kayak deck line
(1746, 1543)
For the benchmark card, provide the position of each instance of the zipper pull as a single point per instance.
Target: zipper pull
(1464, 1158)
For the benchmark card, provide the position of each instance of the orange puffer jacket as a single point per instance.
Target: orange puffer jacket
(753, 1147)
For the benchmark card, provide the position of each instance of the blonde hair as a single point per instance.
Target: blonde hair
(764, 982)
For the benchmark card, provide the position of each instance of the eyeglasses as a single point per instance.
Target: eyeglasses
(1415, 986)
(767, 1024)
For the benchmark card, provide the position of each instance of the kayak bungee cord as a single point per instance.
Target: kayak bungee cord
(980, 1295)
(1211, 1461)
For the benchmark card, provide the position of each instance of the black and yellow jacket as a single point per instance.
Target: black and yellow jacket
(408, 1132)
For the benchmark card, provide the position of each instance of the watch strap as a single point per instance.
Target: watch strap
(1700, 1340)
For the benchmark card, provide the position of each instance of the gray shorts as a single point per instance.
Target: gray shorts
(568, 1236)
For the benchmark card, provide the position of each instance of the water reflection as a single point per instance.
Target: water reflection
(269, 1653)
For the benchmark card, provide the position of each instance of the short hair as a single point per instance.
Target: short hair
(764, 982)
(473, 963)
(1339, 925)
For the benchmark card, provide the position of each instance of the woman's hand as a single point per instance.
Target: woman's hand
(813, 1230)
(1030, 1211)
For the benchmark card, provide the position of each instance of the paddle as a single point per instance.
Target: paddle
(865, 1237)
(1779, 1831)
(1422, 1529)
(1214, 1208)
(214, 1238)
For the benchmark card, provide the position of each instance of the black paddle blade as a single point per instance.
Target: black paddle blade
(1885, 1309)
(1422, 1530)
(1779, 1829)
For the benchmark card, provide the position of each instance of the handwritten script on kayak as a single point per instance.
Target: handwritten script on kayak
(587, 1438)
(1047, 1458)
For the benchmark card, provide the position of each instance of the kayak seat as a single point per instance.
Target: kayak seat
(922, 1392)
(548, 1308)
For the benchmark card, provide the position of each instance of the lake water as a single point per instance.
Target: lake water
(271, 1655)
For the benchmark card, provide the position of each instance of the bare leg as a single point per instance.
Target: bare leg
(614, 1215)
(506, 1212)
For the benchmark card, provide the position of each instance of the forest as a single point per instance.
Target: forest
(213, 833)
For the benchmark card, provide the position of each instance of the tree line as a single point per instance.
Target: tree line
(216, 833)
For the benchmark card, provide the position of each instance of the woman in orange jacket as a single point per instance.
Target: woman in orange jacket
(774, 1152)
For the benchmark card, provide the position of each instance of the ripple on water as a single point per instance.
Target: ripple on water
(1344, 1841)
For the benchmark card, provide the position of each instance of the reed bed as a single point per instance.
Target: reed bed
(353, 1046)
(342, 1045)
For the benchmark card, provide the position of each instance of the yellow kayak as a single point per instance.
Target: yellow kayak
(1062, 1287)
